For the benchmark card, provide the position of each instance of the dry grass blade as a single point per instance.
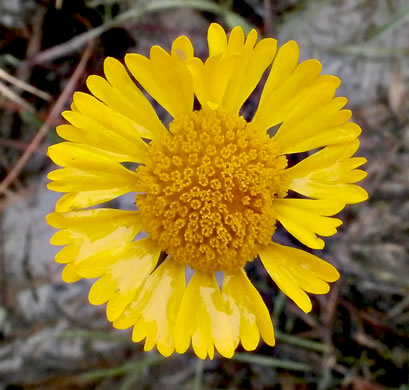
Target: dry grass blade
(11, 95)
(70, 46)
(24, 86)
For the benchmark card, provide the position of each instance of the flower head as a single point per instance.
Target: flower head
(210, 189)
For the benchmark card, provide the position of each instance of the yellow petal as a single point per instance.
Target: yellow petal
(159, 303)
(326, 157)
(353, 176)
(317, 103)
(67, 254)
(110, 142)
(182, 48)
(75, 180)
(304, 218)
(276, 105)
(102, 290)
(129, 316)
(71, 154)
(94, 233)
(247, 311)
(69, 275)
(140, 255)
(248, 72)
(165, 78)
(101, 89)
(295, 270)
(138, 108)
(317, 121)
(202, 342)
(187, 318)
(96, 222)
(139, 331)
(102, 248)
(105, 116)
(73, 107)
(87, 169)
(327, 174)
(319, 106)
(118, 302)
(211, 79)
(346, 171)
(153, 310)
(305, 260)
(233, 69)
(283, 66)
(62, 237)
(117, 139)
(130, 271)
(286, 282)
(217, 39)
(349, 193)
(235, 42)
(308, 281)
(203, 317)
(84, 199)
(124, 273)
(332, 136)
(251, 39)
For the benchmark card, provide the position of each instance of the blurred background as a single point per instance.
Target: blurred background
(356, 337)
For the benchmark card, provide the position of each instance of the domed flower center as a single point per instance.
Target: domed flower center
(208, 190)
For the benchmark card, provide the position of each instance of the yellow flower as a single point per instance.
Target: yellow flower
(210, 187)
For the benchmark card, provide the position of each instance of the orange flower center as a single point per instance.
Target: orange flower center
(208, 190)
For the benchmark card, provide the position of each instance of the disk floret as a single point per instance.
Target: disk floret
(208, 190)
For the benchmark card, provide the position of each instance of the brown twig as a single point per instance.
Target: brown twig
(268, 18)
(3, 276)
(56, 110)
(11, 143)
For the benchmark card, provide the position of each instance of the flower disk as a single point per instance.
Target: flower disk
(209, 188)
